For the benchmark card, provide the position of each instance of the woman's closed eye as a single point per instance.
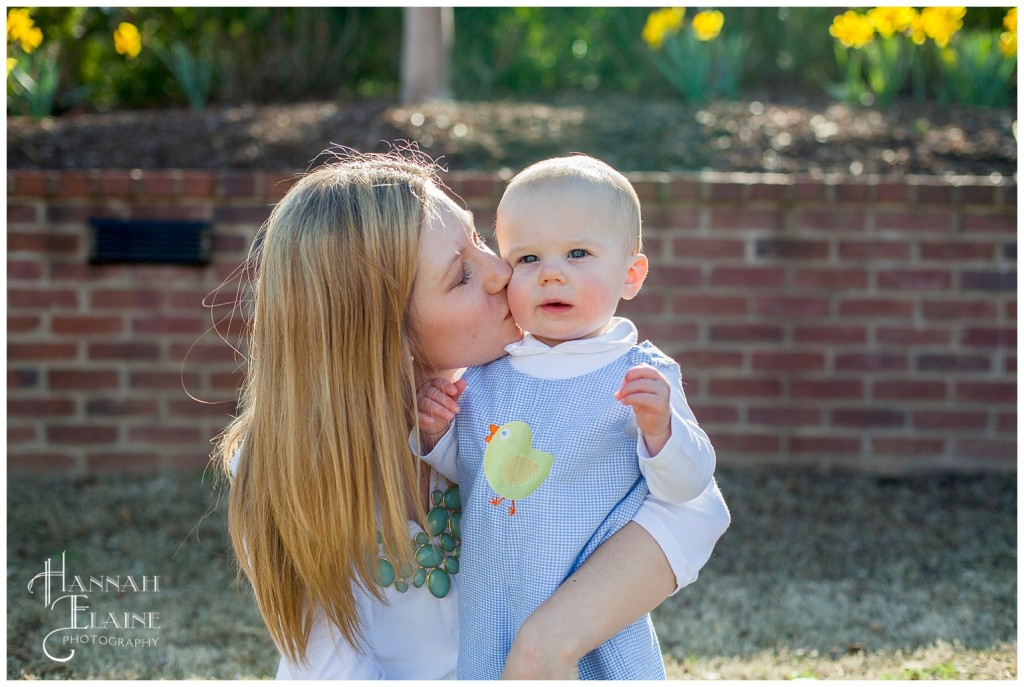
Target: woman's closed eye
(466, 273)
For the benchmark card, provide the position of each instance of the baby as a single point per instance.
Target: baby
(556, 445)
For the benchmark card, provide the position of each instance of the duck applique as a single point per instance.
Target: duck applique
(513, 468)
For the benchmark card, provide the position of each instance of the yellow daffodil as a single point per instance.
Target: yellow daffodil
(851, 29)
(1010, 20)
(22, 29)
(1008, 43)
(662, 23)
(890, 20)
(941, 23)
(708, 24)
(127, 40)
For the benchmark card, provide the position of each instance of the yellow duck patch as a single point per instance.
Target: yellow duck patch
(513, 468)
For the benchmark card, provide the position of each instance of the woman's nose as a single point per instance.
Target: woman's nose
(497, 274)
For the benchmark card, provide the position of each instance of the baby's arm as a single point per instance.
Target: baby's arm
(664, 548)
(437, 405)
(678, 463)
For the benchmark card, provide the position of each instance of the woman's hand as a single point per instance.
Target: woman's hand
(437, 405)
(646, 391)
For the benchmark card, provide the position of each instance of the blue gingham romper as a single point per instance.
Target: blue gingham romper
(511, 563)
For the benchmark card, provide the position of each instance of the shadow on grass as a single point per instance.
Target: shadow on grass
(813, 565)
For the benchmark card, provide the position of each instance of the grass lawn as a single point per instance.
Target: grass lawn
(842, 577)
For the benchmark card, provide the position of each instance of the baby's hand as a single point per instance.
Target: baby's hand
(647, 392)
(437, 404)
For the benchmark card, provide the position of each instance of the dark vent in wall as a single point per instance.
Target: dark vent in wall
(169, 242)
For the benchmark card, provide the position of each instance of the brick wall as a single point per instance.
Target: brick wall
(867, 325)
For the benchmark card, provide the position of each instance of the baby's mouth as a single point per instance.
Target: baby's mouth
(555, 306)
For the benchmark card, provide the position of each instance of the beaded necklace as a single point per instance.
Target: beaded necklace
(437, 549)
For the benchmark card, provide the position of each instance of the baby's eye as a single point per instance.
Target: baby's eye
(528, 259)
(577, 253)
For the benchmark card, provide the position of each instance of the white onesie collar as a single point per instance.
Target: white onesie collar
(572, 358)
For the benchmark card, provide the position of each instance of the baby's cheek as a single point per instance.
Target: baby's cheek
(518, 302)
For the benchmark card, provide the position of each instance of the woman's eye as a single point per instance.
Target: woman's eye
(465, 277)
(577, 253)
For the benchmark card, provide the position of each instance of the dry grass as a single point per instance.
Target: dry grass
(832, 577)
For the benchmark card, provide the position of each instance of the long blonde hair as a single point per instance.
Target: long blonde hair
(329, 397)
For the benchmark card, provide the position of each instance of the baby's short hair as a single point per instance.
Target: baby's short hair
(585, 173)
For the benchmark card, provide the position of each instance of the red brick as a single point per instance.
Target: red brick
(223, 381)
(164, 434)
(229, 243)
(951, 363)
(868, 417)
(727, 191)
(673, 276)
(206, 407)
(161, 379)
(959, 251)
(950, 420)
(124, 351)
(784, 416)
(854, 192)
(824, 445)
(82, 380)
(1003, 224)
(40, 407)
(36, 183)
(746, 333)
(771, 192)
(647, 189)
(698, 359)
(709, 414)
(723, 219)
(790, 249)
(748, 277)
(664, 334)
(826, 389)
(241, 214)
(121, 407)
(830, 220)
(73, 183)
(43, 242)
(980, 195)
(684, 189)
(908, 446)
(986, 449)
(871, 251)
(130, 461)
(41, 299)
(24, 270)
(41, 350)
(23, 324)
(161, 184)
(45, 462)
(876, 307)
(116, 183)
(792, 306)
(22, 213)
(871, 362)
(239, 184)
(909, 390)
(199, 184)
(85, 324)
(183, 325)
(959, 310)
(989, 280)
(832, 279)
(989, 392)
(811, 190)
(829, 334)
(990, 337)
(910, 336)
(21, 379)
(746, 443)
(788, 361)
(80, 434)
(746, 388)
(909, 279)
(705, 249)
(703, 304)
(22, 434)
(914, 220)
(126, 298)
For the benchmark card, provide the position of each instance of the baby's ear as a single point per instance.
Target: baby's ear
(635, 276)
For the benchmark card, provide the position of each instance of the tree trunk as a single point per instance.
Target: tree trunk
(426, 53)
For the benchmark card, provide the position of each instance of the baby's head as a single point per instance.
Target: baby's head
(570, 228)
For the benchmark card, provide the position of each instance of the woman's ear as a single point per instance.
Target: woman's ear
(635, 276)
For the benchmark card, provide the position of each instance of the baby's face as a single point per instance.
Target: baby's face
(571, 263)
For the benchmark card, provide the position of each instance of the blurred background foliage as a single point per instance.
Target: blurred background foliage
(233, 55)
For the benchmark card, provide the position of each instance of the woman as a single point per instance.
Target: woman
(369, 280)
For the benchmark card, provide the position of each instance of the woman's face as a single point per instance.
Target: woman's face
(459, 308)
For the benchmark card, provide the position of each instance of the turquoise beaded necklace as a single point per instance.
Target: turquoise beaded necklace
(437, 549)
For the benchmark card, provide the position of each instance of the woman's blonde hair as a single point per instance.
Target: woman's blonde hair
(329, 398)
